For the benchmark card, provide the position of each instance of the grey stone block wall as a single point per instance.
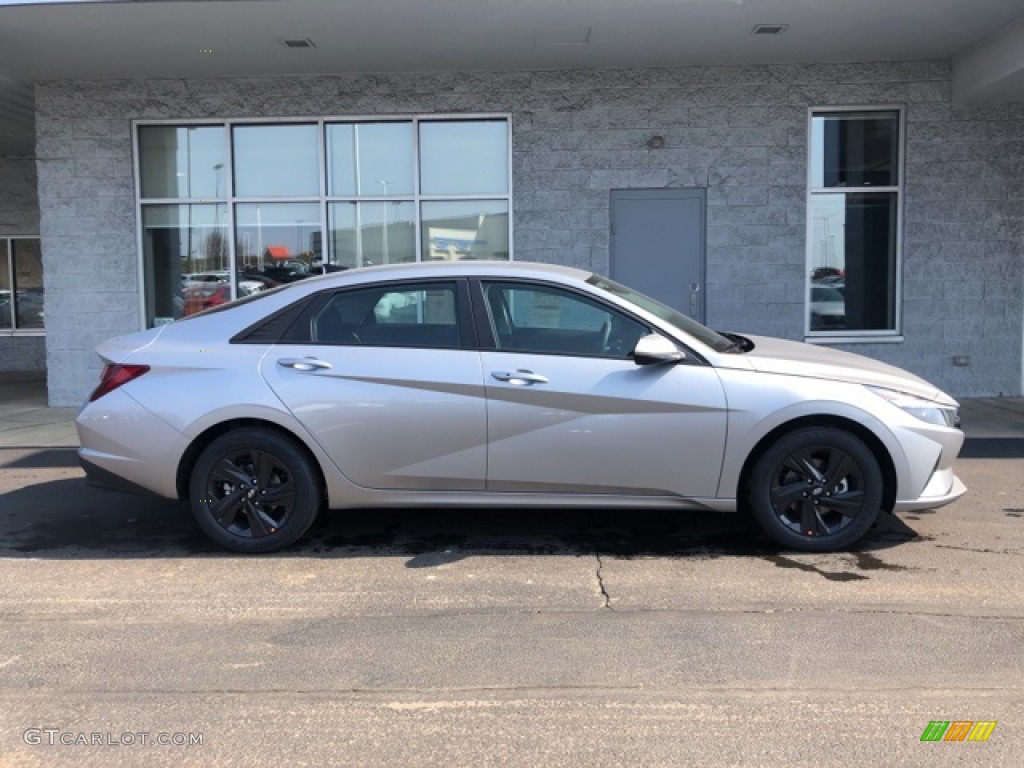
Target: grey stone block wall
(740, 132)
(19, 215)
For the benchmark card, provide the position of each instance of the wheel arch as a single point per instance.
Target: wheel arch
(869, 438)
(211, 433)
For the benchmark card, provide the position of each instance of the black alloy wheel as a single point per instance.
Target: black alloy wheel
(254, 490)
(816, 490)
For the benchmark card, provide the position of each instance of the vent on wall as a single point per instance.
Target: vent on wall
(304, 42)
(770, 29)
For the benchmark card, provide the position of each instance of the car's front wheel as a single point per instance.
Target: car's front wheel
(816, 489)
(254, 490)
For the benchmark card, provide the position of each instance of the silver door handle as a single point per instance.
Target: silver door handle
(520, 378)
(303, 363)
(694, 299)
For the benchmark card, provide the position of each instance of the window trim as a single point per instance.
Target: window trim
(8, 256)
(888, 335)
(230, 200)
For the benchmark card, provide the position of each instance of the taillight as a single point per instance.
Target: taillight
(114, 376)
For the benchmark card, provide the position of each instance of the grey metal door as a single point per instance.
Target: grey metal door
(657, 245)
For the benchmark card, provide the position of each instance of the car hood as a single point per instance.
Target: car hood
(794, 358)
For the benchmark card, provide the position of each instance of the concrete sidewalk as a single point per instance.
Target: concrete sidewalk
(27, 422)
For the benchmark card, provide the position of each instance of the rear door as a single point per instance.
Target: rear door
(386, 380)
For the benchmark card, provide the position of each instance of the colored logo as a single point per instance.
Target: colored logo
(958, 730)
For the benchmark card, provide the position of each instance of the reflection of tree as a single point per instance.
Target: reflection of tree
(215, 247)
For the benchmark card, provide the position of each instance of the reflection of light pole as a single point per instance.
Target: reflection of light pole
(384, 226)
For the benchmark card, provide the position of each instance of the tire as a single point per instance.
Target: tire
(254, 490)
(817, 489)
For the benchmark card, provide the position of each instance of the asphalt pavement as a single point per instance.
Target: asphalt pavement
(469, 638)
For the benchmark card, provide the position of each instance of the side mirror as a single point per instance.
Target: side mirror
(655, 348)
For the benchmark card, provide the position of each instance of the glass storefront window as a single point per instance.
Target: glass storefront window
(276, 243)
(370, 159)
(186, 260)
(6, 294)
(182, 162)
(464, 157)
(854, 223)
(21, 284)
(232, 209)
(366, 234)
(276, 160)
(27, 261)
(465, 229)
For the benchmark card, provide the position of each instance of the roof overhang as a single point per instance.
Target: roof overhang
(231, 38)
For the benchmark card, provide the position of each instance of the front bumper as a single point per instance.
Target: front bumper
(943, 488)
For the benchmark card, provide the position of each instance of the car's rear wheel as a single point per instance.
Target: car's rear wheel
(816, 490)
(254, 490)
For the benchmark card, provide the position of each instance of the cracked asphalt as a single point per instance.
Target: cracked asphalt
(449, 638)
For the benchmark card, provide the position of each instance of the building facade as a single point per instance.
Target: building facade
(945, 220)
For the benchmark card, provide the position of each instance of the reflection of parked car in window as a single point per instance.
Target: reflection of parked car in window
(200, 296)
(828, 308)
(205, 277)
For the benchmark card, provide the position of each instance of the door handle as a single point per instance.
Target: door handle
(520, 378)
(303, 363)
(694, 300)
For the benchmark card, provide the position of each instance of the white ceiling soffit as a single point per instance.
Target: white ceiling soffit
(992, 70)
(218, 38)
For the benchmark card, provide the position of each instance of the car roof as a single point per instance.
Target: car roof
(455, 269)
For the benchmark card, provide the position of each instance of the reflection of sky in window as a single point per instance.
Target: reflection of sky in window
(382, 152)
(464, 158)
(276, 160)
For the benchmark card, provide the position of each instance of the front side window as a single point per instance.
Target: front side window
(21, 284)
(854, 223)
(238, 207)
(547, 320)
(409, 315)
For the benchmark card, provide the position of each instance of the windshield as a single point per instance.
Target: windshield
(716, 341)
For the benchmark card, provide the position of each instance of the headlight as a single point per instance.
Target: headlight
(925, 410)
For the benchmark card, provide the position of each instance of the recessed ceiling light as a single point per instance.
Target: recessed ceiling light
(770, 29)
(303, 42)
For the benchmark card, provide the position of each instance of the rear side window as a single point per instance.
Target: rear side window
(394, 315)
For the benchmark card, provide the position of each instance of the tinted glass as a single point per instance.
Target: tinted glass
(27, 257)
(364, 234)
(276, 161)
(853, 255)
(466, 229)
(545, 320)
(855, 149)
(6, 294)
(186, 161)
(277, 243)
(413, 315)
(186, 260)
(370, 159)
(464, 158)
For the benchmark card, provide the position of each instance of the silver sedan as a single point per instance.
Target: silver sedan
(505, 385)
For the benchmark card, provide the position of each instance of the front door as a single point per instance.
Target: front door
(568, 411)
(657, 245)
